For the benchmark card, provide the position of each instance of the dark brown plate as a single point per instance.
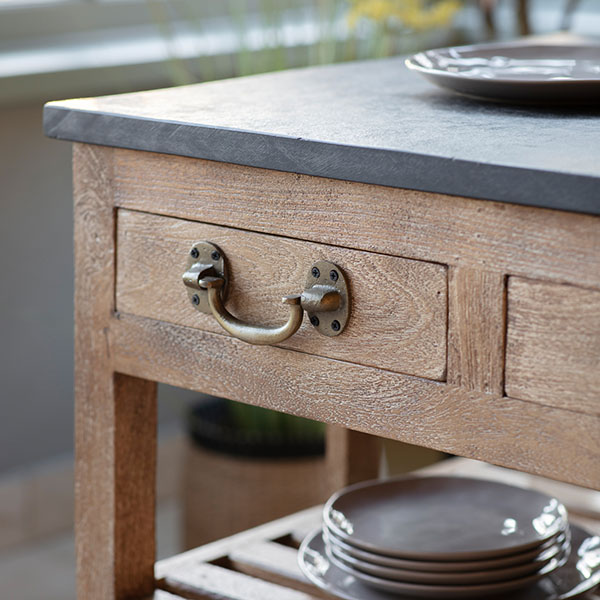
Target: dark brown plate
(575, 579)
(537, 556)
(516, 71)
(443, 518)
(448, 590)
(516, 572)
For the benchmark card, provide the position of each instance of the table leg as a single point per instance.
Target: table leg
(351, 456)
(115, 415)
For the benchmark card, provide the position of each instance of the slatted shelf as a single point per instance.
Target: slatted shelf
(162, 595)
(260, 564)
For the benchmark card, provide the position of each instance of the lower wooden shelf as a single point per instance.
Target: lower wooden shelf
(260, 564)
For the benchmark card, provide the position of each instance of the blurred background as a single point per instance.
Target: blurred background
(53, 49)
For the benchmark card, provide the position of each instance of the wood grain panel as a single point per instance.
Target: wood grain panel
(553, 345)
(115, 416)
(135, 423)
(504, 238)
(476, 329)
(306, 520)
(162, 595)
(352, 456)
(210, 582)
(523, 435)
(275, 563)
(398, 306)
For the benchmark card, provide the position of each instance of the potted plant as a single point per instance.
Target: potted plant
(251, 463)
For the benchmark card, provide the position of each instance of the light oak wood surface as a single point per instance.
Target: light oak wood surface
(219, 583)
(115, 415)
(553, 345)
(275, 563)
(303, 520)
(162, 595)
(398, 306)
(449, 289)
(476, 333)
(189, 573)
(352, 456)
(492, 236)
(524, 435)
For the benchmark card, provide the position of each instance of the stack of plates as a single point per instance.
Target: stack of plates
(448, 537)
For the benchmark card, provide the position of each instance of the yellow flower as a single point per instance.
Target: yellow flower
(413, 14)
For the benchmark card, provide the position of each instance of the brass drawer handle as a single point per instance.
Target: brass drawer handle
(325, 298)
(255, 334)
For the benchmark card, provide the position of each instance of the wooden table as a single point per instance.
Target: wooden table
(469, 235)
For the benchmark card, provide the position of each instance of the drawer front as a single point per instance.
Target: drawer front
(553, 344)
(398, 313)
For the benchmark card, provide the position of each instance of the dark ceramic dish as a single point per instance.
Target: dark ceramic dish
(437, 589)
(443, 518)
(578, 576)
(537, 556)
(517, 72)
(483, 575)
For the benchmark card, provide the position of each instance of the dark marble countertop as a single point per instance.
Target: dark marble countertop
(374, 122)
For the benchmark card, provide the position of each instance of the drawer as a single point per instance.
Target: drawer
(553, 344)
(398, 312)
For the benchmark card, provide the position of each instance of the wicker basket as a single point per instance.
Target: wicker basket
(234, 481)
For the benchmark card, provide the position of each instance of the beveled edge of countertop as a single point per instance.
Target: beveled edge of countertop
(88, 121)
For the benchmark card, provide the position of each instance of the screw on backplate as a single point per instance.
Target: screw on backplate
(196, 299)
(334, 275)
(315, 272)
(215, 255)
(314, 320)
(335, 325)
(194, 253)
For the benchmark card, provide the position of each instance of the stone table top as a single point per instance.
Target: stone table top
(373, 121)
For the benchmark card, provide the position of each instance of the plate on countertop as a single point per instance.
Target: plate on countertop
(576, 578)
(520, 72)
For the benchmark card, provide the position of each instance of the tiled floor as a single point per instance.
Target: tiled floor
(46, 570)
